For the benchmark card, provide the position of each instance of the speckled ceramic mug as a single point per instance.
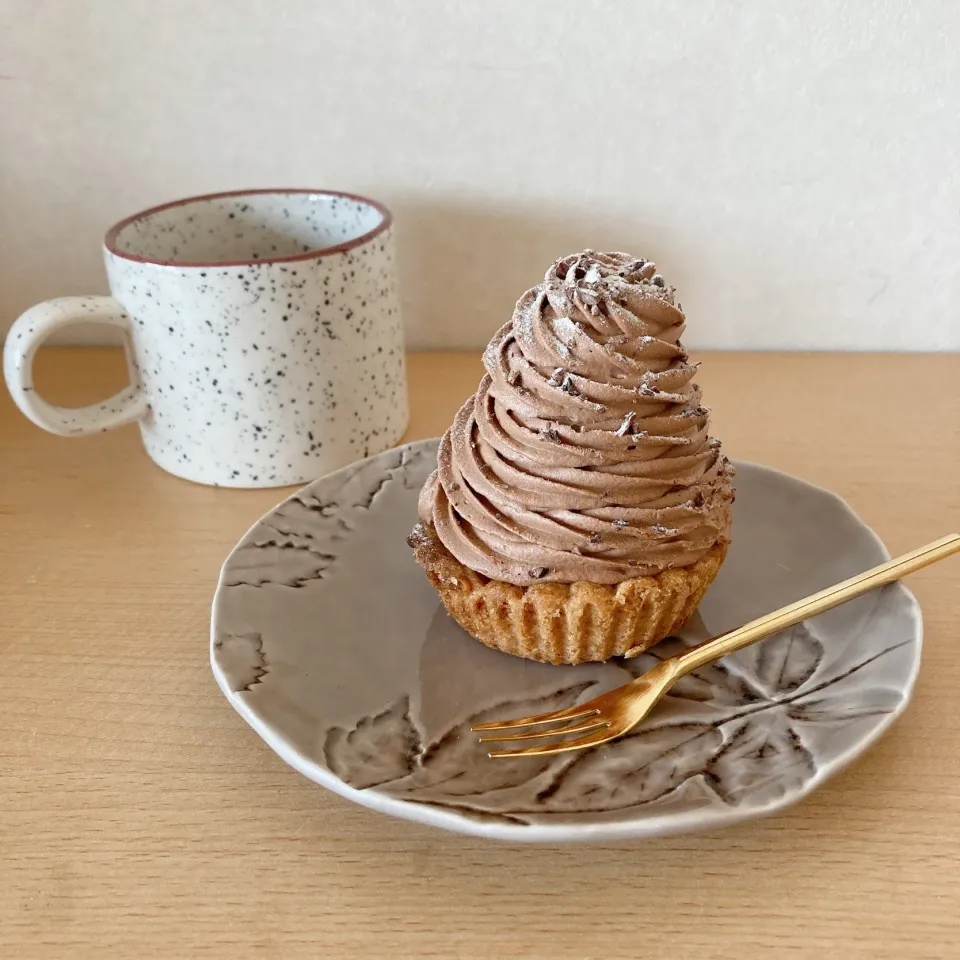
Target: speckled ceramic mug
(262, 330)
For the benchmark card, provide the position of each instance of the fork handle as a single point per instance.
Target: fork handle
(799, 611)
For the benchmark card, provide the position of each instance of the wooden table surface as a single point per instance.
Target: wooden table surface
(143, 818)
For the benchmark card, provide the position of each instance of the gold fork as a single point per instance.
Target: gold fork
(618, 711)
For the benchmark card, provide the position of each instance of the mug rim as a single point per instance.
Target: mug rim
(110, 238)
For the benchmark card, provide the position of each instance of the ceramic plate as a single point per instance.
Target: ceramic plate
(329, 641)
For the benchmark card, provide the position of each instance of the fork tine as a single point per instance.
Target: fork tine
(563, 746)
(555, 732)
(571, 713)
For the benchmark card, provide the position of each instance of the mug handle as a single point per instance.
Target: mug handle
(28, 334)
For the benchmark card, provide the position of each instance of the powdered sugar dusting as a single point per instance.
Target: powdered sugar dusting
(523, 315)
(565, 328)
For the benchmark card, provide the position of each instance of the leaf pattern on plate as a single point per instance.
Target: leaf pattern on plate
(786, 661)
(273, 559)
(714, 682)
(241, 659)
(377, 750)
(748, 752)
(633, 770)
(458, 764)
(763, 759)
(833, 707)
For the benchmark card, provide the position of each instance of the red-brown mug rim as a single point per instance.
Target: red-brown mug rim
(110, 238)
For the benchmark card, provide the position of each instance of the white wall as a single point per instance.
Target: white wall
(793, 168)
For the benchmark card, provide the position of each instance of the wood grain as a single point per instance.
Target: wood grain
(142, 817)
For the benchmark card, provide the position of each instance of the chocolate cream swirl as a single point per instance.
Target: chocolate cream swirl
(584, 454)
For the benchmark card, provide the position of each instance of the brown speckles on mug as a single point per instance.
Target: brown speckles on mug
(266, 330)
